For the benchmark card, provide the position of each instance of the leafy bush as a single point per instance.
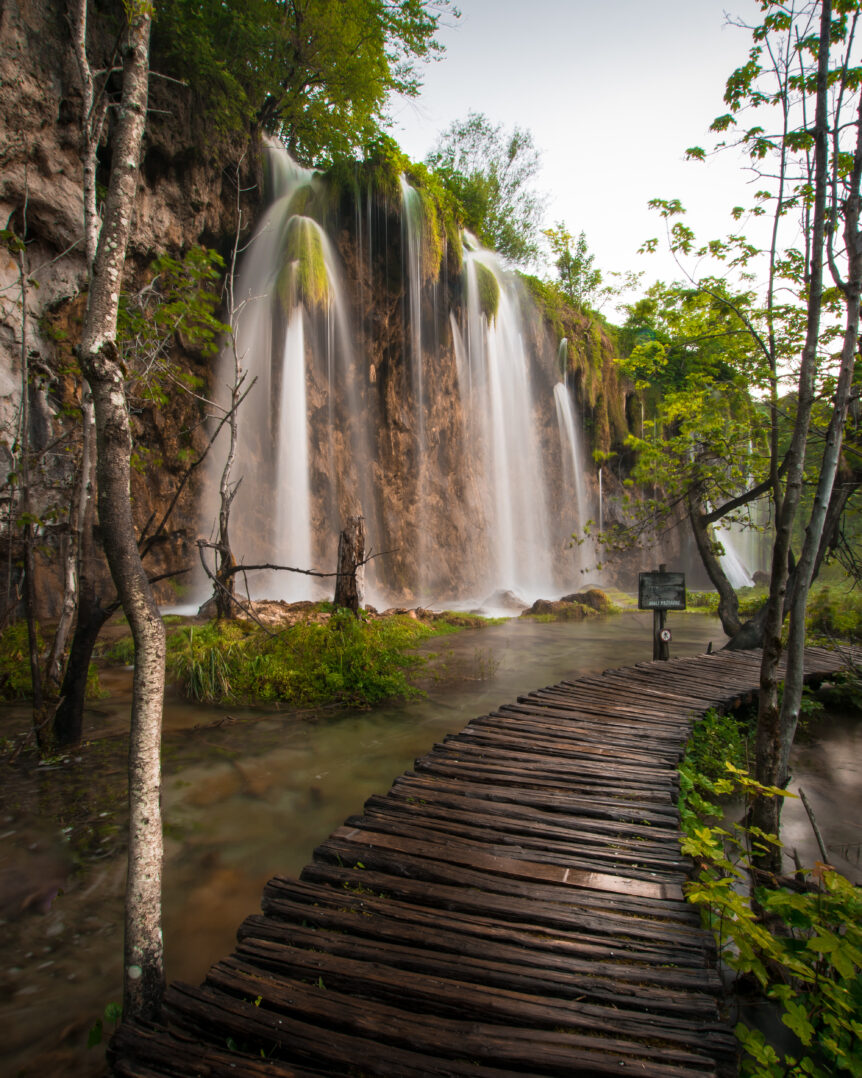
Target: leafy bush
(15, 680)
(804, 950)
(750, 601)
(308, 664)
(835, 613)
(715, 740)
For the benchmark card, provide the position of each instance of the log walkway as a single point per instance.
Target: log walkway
(513, 906)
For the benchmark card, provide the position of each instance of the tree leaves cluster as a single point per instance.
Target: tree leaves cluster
(314, 73)
(491, 172)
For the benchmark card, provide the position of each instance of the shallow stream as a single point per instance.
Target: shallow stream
(249, 794)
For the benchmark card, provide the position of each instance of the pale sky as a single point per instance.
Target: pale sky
(613, 94)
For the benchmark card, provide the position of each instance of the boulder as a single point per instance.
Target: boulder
(560, 609)
(594, 598)
(504, 600)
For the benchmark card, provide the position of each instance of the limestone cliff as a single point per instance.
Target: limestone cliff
(420, 480)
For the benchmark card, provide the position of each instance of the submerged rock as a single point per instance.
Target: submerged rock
(504, 599)
(594, 598)
(561, 609)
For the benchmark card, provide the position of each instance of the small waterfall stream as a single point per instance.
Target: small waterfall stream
(413, 228)
(572, 455)
(500, 395)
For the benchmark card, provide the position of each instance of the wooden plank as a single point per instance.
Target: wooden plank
(436, 985)
(633, 864)
(350, 842)
(676, 990)
(492, 919)
(454, 888)
(212, 1015)
(548, 1051)
(422, 790)
(476, 821)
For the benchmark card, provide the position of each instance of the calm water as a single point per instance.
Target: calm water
(247, 795)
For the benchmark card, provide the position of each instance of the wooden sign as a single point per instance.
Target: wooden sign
(661, 591)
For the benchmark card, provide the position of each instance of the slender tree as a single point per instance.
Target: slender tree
(143, 966)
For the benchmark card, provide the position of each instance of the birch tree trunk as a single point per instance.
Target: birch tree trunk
(68, 713)
(767, 811)
(143, 967)
(809, 559)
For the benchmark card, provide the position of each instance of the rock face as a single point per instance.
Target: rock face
(185, 197)
(404, 443)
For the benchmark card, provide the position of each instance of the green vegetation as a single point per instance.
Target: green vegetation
(578, 279)
(343, 661)
(340, 661)
(180, 297)
(835, 613)
(802, 949)
(490, 172)
(316, 74)
(303, 277)
(488, 288)
(702, 436)
(15, 680)
(750, 600)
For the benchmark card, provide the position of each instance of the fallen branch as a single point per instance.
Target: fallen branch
(824, 856)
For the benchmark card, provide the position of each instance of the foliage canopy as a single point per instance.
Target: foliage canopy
(315, 73)
(491, 172)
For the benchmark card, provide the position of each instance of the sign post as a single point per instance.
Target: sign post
(661, 591)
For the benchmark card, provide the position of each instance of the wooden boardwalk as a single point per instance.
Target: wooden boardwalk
(513, 906)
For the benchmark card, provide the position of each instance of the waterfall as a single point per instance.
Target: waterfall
(444, 428)
(496, 384)
(413, 228)
(293, 496)
(731, 561)
(570, 449)
(293, 338)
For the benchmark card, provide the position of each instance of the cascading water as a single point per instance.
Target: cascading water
(413, 239)
(574, 490)
(731, 562)
(293, 341)
(437, 426)
(495, 381)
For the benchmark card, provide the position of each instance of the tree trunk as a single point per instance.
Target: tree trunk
(143, 981)
(69, 715)
(766, 812)
(80, 518)
(350, 584)
(728, 601)
(809, 560)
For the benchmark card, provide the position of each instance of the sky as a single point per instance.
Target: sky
(613, 94)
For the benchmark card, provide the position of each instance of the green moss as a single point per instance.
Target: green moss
(15, 681)
(303, 201)
(303, 277)
(489, 291)
(433, 236)
(342, 661)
